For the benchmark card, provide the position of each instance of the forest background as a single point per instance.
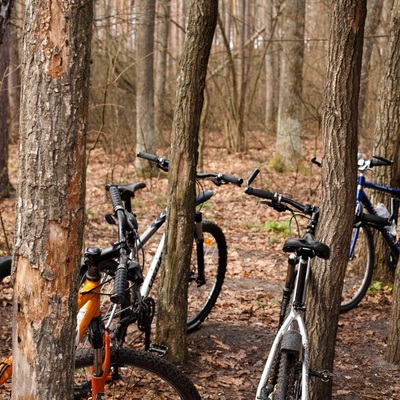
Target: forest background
(244, 87)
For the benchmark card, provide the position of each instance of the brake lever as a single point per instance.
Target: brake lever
(276, 206)
(216, 181)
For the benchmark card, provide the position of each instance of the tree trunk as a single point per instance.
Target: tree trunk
(14, 82)
(5, 13)
(51, 192)
(164, 15)
(5, 186)
(387, 138)
(271, 89)
(371, 27)
(388, 127)
(288, 140)
(145, 129)
(339, 171)
(172, 298)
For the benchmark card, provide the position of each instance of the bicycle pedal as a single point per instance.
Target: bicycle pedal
(158, 348)
(325, 375)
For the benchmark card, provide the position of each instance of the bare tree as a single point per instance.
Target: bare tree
(51, 192)
(160, 82)
(387, 134)
(172, 298)
(271, 71)
(145, 129)
(339, 171)
(371, 27)
(386, 144)
(289, 124)
(5, 185)
(5, 12)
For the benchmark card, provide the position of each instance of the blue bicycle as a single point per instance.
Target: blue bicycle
(360, 268)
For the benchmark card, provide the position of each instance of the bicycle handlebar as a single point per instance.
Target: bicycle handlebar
(216, 178)
(379, 160)
(118, 295)
(362, 164)
(373, 219)
(276, 198)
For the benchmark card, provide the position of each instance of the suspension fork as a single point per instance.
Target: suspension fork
(101, 359)
(288, 288)
(198, 218)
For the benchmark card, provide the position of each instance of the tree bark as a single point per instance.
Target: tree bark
(271, 87)
(14, 82)
(160, 102)
(5, 13)
(5, 185)
(388, 128)
(172, 298)
(387, 138)
(51, 192)
(339, 171)
(288, 139)
(145, 129)
(371, 27)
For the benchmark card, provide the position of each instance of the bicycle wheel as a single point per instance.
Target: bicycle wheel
(287, 387)
(359, 269)
(5, 267)
(201, 299)
(135, 375)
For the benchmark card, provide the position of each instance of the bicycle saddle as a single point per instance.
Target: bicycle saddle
(129, 189)
(297, 245)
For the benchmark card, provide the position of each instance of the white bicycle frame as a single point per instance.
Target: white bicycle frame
(156, 262)
(298, 316)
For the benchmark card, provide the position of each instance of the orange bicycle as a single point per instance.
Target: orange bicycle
(104, 369)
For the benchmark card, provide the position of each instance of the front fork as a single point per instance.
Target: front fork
(198, 218)
(100, 341)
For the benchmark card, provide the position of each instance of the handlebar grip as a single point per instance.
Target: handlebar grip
(121, 274)
(263, 194)
(373, 219)
(147, 156)
(232, 179)
(380, 161)
(115, 197)
(118, 295)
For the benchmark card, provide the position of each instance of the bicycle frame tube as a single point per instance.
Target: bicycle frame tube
(153, 270)
(98, 382)
(146, 236)
(298, 316)
(88, 306)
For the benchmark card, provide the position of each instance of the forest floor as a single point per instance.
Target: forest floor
(228, 351)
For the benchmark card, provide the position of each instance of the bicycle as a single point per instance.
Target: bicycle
(207, 268)
(360, 268)
(286, 371)
(107, 369)
(209, 254)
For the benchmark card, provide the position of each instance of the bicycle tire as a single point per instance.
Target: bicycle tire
(202, 299)
(135, 375)
(359, 270)
(5, 267)
(286, 387)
